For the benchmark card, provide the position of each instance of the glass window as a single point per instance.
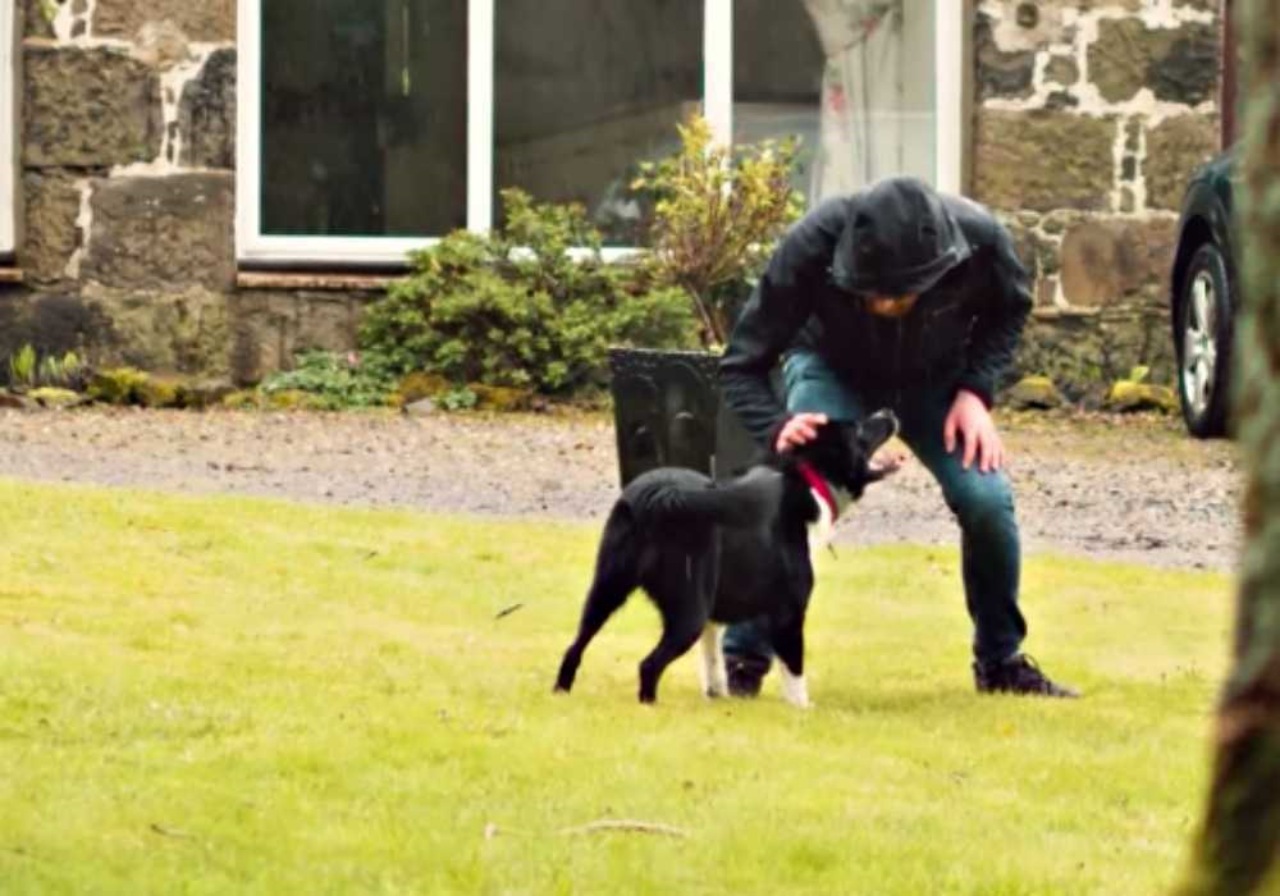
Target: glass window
(586, 89)
(8, 127)
(853, 79)
(364, 107)
(369, 127)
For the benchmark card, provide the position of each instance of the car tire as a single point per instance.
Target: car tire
(1203, 334)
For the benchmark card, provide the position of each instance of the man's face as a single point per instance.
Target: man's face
(891, 306)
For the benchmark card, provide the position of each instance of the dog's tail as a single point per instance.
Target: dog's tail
(744, 501)
(617, 574)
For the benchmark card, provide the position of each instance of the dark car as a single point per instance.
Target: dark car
(1204, 297)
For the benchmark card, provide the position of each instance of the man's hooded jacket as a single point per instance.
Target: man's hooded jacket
(894, 238)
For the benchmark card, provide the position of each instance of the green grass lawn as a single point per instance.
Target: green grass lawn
(246, 696)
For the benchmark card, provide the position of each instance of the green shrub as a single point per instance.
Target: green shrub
(515, 308)
(332, 381)
(717, 214)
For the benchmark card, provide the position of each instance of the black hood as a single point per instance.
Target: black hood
(899, 239)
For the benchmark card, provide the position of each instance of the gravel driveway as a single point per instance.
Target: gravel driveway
(1121, 488)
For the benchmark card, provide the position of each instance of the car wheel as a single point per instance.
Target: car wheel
(1204, 331)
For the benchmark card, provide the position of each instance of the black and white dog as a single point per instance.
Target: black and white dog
(710, 553)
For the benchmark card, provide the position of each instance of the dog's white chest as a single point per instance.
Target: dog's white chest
(823, 529)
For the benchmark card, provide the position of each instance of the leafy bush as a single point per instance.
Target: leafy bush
(516, 308)
(717, 214)
(334, 380)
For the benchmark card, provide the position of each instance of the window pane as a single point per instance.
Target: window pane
(364, 117)
(854, 79)
(586, 89)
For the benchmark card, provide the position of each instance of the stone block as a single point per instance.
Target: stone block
(37, 18)
(1109, 261)
(1022, 25)
(162, 232)
(1043, 160)
(1187, 71)
(180, 331)
(207, 114)
(54, 323)
(1084, 353)
(50, 234)
(1000, 73)
(161, 45)
(92, 107)
(209, 21)
(1175, 148)
(1062, 70)
(1180, 65)
(270, 327)
(1090, 5)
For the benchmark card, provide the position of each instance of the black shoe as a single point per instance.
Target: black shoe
(746, 674)
(1017, 675)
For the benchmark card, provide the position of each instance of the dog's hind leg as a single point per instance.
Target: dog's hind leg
(678, 635)
(715, 681)
(616, 577)
(682, 589)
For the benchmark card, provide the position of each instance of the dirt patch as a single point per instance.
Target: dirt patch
(1111, 487)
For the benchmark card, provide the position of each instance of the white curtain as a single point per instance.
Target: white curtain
(862, 134)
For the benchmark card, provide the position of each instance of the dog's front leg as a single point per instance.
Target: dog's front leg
(794, 689)
(715, 680)
(788, 644)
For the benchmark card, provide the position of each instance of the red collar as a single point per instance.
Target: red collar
(820, 486)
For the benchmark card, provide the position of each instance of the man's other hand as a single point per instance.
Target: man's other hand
(970, 420)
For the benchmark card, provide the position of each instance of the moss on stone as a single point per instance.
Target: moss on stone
(501, 398)
(420, 385)
(242, 400)
(53, 397)
(295, 400)
(120, 385)
(1034, 393)
(1127, 396)
(156, 392)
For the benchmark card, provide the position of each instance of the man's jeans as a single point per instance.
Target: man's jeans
(981, 502)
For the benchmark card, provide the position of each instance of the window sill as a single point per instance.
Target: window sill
(314, 280)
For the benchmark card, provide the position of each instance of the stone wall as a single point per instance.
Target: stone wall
(128, 154)
(1090, 117)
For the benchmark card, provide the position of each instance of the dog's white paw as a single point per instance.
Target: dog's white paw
(794, 689)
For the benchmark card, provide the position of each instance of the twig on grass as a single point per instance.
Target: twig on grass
(626, 824)
(507, 611)
(171, 832)
(603, 825)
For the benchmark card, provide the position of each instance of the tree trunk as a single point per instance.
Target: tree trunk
(1238, 851)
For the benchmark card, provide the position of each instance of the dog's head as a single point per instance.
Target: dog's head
(842, 451)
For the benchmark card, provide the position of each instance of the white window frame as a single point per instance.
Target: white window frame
(8, 129)
(255, 248)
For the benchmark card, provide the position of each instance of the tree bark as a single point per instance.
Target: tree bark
(1238, 850)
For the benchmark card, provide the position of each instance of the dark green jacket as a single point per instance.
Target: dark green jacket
(962, 332)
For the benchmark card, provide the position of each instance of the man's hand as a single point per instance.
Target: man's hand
(971, 421)
(797, 430)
